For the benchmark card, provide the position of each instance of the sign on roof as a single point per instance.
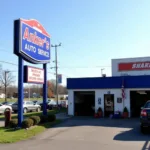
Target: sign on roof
(134, 66)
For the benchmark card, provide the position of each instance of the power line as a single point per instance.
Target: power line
(77, 67)
(6, 62)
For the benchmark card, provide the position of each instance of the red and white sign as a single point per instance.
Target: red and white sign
(133, 66)
(35, 75)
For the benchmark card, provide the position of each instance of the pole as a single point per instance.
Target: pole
(5, 87)
(45, 90)
(29, 92)
(102, 72)
(56, 67)
(20, 91)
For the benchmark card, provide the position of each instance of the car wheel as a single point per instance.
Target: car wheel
(143, 130)
(38, 109)
(25, 110)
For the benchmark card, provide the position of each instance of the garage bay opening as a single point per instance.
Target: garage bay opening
(84, 103)
(137, 100)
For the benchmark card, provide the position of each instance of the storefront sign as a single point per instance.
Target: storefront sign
(32, 42)
(134, 66)
(59, 78)
(34, 75)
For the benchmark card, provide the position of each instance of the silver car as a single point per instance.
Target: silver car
(28, 106)
(4, 108)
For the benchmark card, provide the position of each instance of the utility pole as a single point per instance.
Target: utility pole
(56, 70)
(29, 92)
(102, 72)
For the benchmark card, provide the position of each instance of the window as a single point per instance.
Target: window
(29, 103)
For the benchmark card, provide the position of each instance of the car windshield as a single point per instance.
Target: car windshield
(147, 105)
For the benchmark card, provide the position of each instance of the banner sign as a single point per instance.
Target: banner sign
(59, 78)
(134, 66)
(33, 75)
(31, 41)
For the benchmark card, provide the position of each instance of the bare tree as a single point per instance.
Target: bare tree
(6, 79)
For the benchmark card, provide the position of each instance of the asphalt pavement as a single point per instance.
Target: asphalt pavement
(84, 133)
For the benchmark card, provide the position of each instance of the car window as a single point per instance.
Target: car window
(147, 105)
(4, 103)
(28, 103)
(16, 103)
(52, 102)
(31, 103)
(39, 102)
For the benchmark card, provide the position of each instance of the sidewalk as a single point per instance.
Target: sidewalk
(62, 116)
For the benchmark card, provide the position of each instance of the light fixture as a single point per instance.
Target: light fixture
(141, 92)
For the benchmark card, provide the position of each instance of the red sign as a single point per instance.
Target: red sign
(133, 66)
(35, 75)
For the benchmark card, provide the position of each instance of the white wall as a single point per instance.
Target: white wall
(115, 62)
(99, 93)
(117, 94)
(70, 102)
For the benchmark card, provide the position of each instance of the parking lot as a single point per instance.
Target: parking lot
(88, 133)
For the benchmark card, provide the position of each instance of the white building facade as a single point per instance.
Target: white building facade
(132, 73)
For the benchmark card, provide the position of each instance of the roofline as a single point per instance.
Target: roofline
(130, 58)
(107, 77)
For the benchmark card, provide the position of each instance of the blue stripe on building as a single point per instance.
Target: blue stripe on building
(142, 81)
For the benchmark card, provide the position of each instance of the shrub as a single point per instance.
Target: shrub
(43, 119)
(13, 123)
(125, 109)
(51, 118)
(99, 109)
(27, 123)
(36, 119)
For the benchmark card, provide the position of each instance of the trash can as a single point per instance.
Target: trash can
(7, 117)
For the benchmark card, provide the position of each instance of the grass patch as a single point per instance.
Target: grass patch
(30, 114)
(11, 136)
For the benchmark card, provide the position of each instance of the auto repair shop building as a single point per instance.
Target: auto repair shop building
(86, 95)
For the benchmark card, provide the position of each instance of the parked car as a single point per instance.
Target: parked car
(41, 104)
(4, 108)
(145, 117)
(35, 101)
(28, 106)
(52, 104)
(7, 103)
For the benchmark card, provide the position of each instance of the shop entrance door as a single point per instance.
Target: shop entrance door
(108, 104)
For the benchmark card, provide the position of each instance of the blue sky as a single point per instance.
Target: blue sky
(92, 32)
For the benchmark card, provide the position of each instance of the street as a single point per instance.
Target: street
(87, 133)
